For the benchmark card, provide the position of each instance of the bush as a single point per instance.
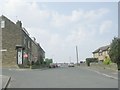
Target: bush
(37, 63)
(107, 61)
(89, 60)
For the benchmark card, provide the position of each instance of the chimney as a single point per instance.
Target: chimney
(34, 39)
(19, 23)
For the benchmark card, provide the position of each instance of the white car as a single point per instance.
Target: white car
(52, 65)
(71, 65)
(59, 65)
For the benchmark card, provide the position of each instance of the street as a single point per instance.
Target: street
(63, 77)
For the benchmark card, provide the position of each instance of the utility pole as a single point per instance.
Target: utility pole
(70, 59)
(77, 54)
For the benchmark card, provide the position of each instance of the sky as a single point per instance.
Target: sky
(61, 26)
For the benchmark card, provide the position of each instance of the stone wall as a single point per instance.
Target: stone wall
(34, 53)
(112, 66)
(0, 45)
(11, 36)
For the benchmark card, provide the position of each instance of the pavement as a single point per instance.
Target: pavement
(5, 81)
(109, 72)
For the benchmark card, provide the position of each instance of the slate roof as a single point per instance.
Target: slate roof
(101, 49)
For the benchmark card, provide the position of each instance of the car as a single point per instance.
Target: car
(52, 65)
(59, 65)
(71, 65)
(81, 62)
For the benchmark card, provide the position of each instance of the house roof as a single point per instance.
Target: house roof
(101, 49)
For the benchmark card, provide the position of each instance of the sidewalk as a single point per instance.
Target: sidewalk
(109, 72)
(5, 81)
(105, 71)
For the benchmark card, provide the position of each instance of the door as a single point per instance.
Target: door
(20, 56)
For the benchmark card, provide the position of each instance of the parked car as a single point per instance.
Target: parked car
(59, 65)
(53, 65)
(81, 62)
(71, 65)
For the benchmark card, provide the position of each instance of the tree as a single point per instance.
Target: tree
(114, 52)
(48, 61)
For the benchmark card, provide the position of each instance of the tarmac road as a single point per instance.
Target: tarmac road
(65, 77)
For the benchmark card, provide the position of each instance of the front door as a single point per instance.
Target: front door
(20, 56)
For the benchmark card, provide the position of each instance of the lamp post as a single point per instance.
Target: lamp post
(70, 59)
(77, 54)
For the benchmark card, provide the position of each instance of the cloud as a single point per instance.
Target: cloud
(105, 26)
(93, 15)
(78, 16)
(59, 20)
(29, 12)
(76, 36)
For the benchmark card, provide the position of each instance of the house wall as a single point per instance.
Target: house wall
(26, 42)
(34, 51)
(41, 54)
(0, 44)
(11, 36)
(95, 55)
(101, 56)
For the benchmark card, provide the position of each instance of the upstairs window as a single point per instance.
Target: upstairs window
(24, 40)
(100, 53)
(2, 24)
(29, 44)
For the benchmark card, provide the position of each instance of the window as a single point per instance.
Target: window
(24, 40)
(29, 44)
(100, 53)
(107, 52)
(2, 24)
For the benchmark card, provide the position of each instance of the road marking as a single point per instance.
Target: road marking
(109, 76)
(103, 74)
(19, 69)
(114, 73)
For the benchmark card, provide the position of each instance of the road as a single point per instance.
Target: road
(64, 77)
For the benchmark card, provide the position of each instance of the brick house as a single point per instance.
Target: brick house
(15, 35)
(101, 53)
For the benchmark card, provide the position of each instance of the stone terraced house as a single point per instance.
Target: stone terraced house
(18, 48)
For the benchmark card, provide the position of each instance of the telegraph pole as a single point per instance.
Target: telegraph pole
(70, 59)
(77, 54)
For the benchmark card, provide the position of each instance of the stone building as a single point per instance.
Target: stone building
(101, 53)
(41, 55)
(0, 46)
(13, 36)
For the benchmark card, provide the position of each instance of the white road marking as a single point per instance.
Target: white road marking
(19, 69)
(104, 74)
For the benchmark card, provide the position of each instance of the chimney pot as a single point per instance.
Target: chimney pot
(19, 23)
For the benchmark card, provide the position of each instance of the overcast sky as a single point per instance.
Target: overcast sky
(60, 26)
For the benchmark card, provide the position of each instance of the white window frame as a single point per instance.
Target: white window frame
(2, 23)
(29, 44)
(3, 50)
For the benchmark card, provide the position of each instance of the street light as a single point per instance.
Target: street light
(70, 59)
(77, 54)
